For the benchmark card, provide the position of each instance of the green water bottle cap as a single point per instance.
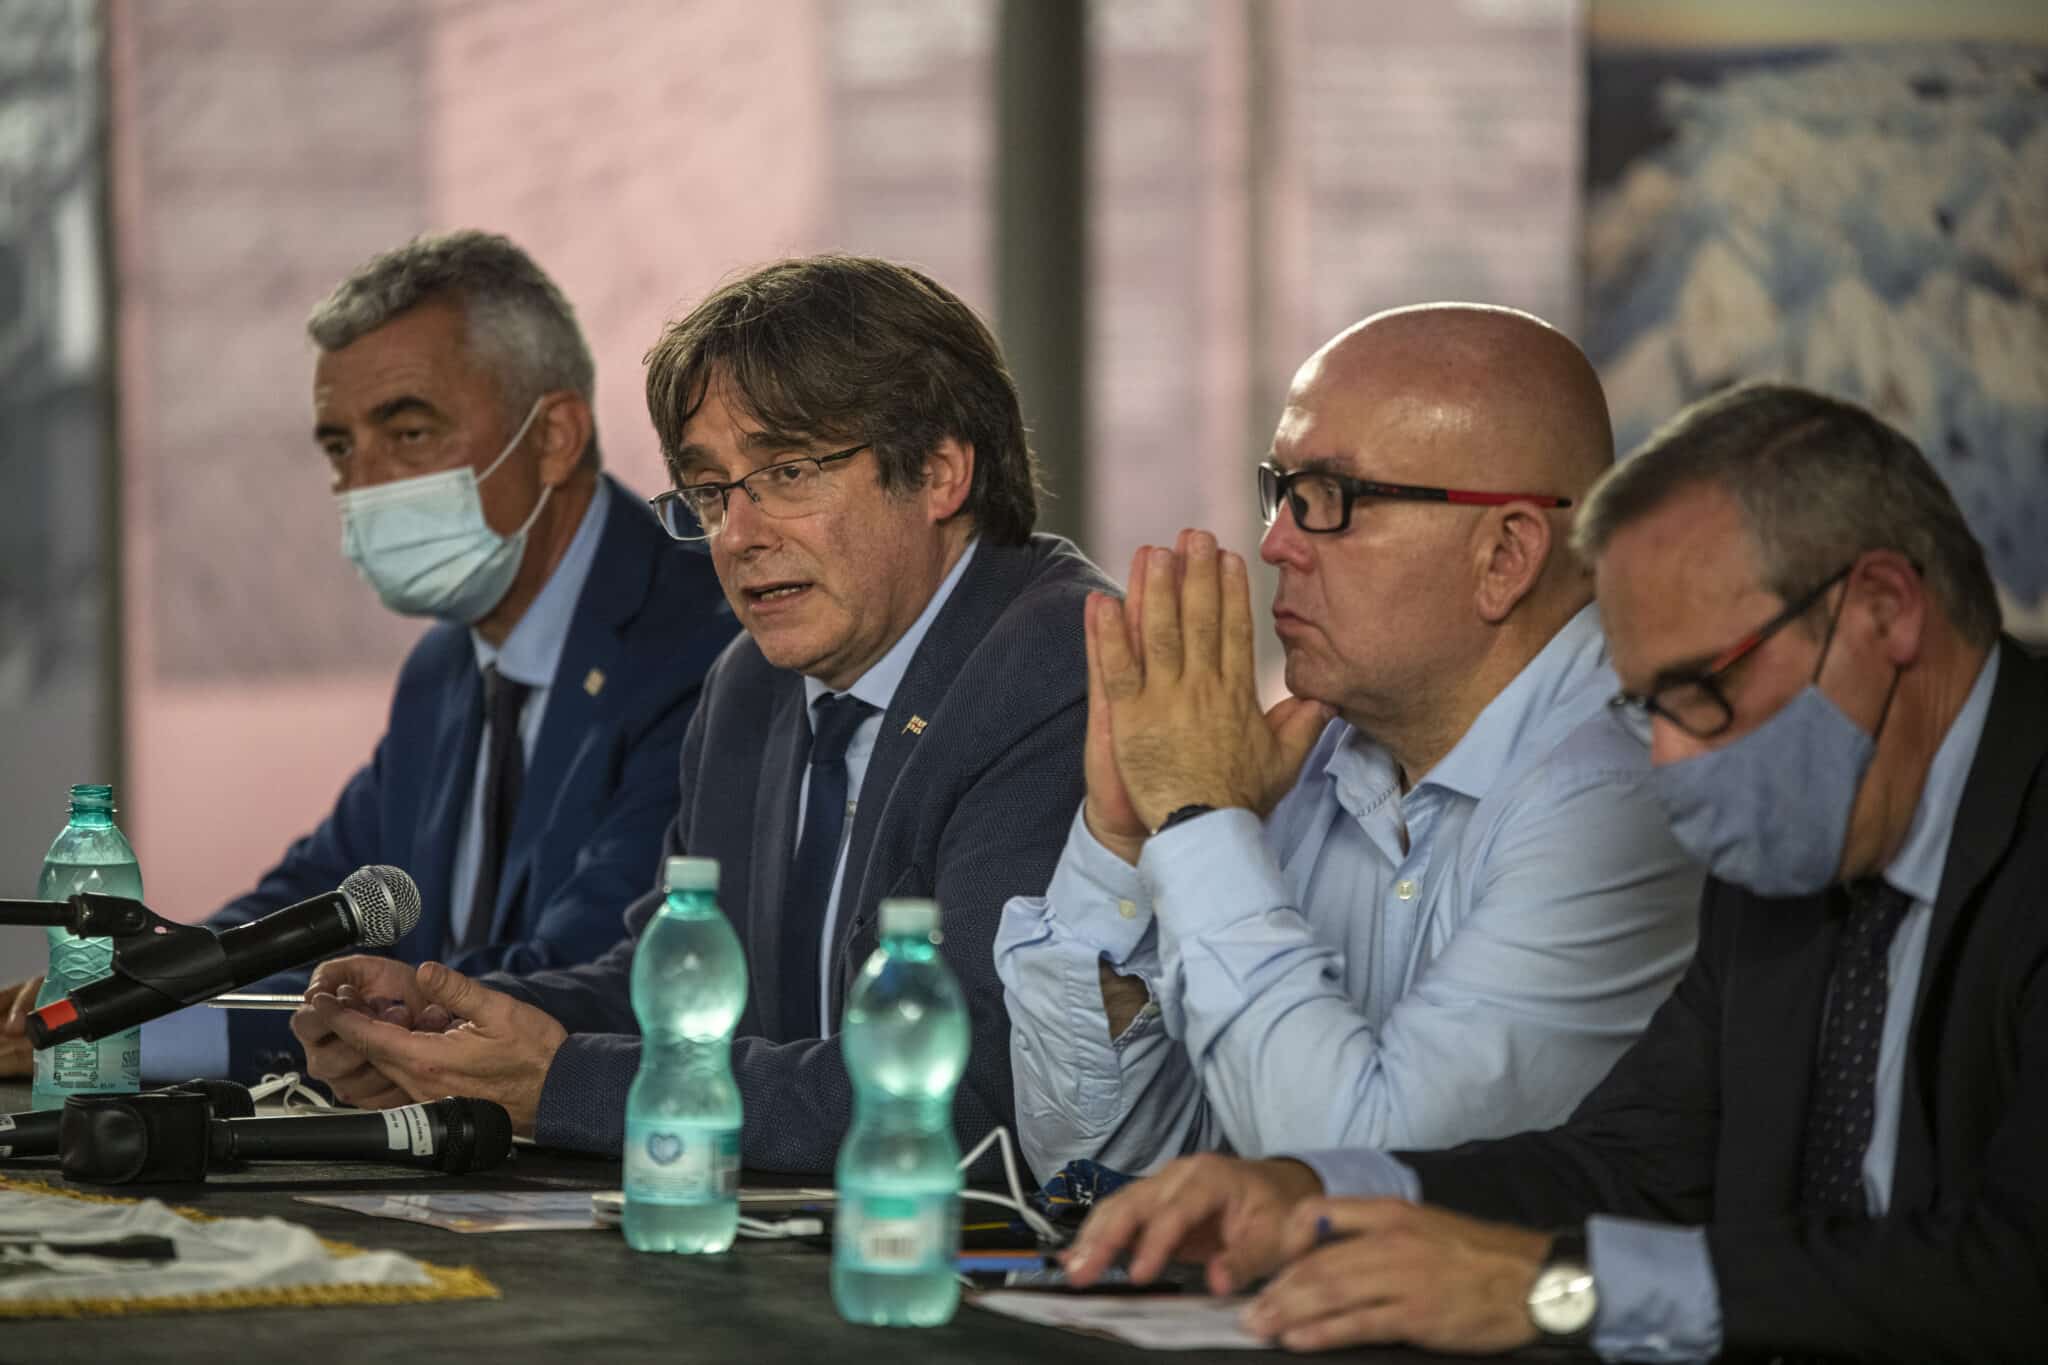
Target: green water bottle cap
(92, 795)
(910, 917)
(690, 874)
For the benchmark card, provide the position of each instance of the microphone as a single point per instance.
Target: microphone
(182, 965)
(33, 1132)
(453, 1135)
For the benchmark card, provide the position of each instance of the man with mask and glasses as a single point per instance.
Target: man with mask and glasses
(1829, 1142)
(1454, 916)
(903, 716)
(527, 774)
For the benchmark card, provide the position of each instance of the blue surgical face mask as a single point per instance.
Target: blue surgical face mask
(424, 545)
(1770, 811)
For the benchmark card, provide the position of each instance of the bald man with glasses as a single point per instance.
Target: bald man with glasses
(1426, 898)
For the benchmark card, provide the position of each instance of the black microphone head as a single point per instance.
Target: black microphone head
(479, 1134)
(385, 901)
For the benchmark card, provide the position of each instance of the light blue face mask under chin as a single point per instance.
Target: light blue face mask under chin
(1770, 811)
(424, 545)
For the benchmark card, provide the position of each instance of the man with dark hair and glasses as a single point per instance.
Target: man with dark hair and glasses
(902, 717)
(1829, 1141)
(1425, 899)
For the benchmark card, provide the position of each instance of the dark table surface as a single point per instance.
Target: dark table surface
(563, 1295)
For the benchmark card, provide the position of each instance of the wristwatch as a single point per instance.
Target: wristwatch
(1180, 814)
(1563, 1300)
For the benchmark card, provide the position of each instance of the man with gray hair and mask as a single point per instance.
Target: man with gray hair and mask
(528, 770)
(1829, 1140)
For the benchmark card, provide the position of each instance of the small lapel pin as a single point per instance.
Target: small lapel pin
(914, 726)
(593, 681)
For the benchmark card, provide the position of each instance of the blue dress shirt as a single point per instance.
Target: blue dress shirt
(1659, 1300)
(1370, 967)
(194, 1042)
(877, 687)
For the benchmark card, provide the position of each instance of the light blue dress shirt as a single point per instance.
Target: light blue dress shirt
(1659, 1300)
(1370, 967)
(194, 1042)
(877, 687)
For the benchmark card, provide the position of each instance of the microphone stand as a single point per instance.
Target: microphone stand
(86, 915)
(181, 962)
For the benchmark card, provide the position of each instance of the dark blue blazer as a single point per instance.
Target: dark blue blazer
(968, 796)
(597, 796)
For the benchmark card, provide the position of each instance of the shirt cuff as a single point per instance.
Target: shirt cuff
(1659, 1300)
(1099, 897)
(1214, 869)
(187, 1045)
(1361, 1173)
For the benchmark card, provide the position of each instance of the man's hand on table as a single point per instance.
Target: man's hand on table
(381, 1034)
(16, 1056)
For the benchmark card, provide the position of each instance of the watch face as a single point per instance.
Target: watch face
(1562, 1301)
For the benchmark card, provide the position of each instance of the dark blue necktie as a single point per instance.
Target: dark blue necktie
(834, 718)
(504, 779)
(1843, 1104)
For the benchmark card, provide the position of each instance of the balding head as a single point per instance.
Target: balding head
(1412, 615)
(1467, 396)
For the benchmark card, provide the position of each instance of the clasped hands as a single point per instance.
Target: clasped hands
(381, 1033)
(1173, 705)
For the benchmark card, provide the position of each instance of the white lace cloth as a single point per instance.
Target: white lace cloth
(212, 1257)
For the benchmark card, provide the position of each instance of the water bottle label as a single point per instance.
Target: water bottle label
(680, 1163)
(899, 1233)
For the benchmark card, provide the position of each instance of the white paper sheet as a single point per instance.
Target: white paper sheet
(1157, 1322)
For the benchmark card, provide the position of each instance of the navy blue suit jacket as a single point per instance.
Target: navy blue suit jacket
(596, 799)
(969, 808)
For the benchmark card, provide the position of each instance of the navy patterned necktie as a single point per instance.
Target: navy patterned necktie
(1839, 1111)
(504, 779)
(834, 718)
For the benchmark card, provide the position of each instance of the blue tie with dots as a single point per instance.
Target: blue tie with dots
(834, 718)
(1840, 1110)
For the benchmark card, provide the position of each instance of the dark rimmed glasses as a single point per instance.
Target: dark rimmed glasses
(1321, 499)
(1693, 700)
(787, 488)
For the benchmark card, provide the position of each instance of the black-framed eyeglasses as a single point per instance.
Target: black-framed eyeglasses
(1693, 700)
(1321, 499)
(787, 488)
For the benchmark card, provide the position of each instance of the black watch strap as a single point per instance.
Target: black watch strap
(1181, 815)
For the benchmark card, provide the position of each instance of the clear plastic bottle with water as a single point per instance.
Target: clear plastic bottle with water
(896, 1230)
(89, 854)
(683, 1113)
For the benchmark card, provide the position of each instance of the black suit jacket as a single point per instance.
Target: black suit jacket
(970, 789)
(1701, 1121)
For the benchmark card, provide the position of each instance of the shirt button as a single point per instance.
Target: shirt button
(1127, 908)
(1405, 889)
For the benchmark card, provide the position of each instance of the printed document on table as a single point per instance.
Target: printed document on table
(1157, 1322)
(484, 1211)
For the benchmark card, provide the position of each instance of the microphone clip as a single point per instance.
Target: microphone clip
(183, 963)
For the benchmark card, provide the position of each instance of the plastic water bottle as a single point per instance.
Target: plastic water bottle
(683, 1113)
(90, 854)
(896, 1230)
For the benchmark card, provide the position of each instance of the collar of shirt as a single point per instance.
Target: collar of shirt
(534, 647)
(877, 687)
(1364, 773)
(1916, 869)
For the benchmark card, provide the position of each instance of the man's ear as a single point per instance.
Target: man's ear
(1894, 598)
(563, 430)
(948, 477)
(1509, 551)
